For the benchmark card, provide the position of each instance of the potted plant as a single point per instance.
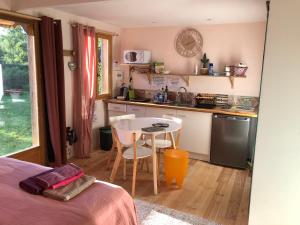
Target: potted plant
(205, 61)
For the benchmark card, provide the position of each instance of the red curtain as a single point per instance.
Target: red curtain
(84, 87)
(53, 75)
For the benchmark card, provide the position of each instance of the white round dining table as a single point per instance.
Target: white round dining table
(136, 125)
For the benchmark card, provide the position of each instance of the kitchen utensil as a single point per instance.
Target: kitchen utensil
(160, 125)
(153, 129)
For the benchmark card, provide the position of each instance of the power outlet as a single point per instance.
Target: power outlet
(119, 75)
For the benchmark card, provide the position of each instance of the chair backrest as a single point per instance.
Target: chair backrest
(114, 119)
(127, 137)
(177, 134)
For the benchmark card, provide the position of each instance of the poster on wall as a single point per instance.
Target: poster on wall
(158, 82)
(174, 83)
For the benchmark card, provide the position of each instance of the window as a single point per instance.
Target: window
(19, 129)
(104, 65)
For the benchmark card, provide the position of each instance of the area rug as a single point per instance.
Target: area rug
(152, 214)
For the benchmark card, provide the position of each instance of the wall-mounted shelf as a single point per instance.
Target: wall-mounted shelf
(146, 69)
(184, 77)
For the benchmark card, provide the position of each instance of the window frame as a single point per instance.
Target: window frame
(37, 152)
(109, 38)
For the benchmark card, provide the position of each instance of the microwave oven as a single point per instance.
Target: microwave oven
(137, 56)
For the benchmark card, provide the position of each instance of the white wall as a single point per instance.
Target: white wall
(225, 44)
(5, 4)
(67, 19)
(275, 197)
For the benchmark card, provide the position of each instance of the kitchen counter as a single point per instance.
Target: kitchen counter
(234, 112)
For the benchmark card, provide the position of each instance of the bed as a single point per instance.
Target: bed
(102, 204)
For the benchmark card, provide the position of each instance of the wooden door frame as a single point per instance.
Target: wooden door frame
(110, 49)
(35, 154)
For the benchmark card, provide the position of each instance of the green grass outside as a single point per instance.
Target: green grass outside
(15, 124)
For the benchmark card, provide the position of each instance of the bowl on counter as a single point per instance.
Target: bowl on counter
(122, 98)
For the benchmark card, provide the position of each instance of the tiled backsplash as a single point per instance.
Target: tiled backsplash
(233, 100)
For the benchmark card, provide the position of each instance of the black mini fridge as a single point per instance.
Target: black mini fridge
(231, 140)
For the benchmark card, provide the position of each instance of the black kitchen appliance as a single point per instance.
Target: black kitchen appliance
(205, 101)
(123, 91)
(232, 140)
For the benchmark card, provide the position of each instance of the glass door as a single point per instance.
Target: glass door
(20, 108)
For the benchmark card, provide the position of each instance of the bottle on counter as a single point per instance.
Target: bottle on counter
(166, 94)
(131, 95)
(211, 69)
(161, 96)
(196, 69)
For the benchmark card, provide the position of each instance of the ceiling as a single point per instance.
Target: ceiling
(145, 13)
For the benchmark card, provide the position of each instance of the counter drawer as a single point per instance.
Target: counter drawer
(159, 112)
(139, 111)
(116, 107)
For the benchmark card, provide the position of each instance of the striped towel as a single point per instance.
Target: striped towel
(71, 190)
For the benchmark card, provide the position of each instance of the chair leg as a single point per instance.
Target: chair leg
(147, 165)
(158, 174)
(141, 162)
(124, 169)
(115, 168)
(154, 164)
(134, 177)
(158, 160)
(110, 157)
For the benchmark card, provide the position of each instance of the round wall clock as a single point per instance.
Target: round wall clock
(189, 42)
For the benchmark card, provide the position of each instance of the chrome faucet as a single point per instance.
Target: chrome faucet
(178, 98)
(178, 91)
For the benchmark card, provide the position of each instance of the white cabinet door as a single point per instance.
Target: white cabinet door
(139, 111)
(116, 109)
(115, 113)
(196, 131)
(159, 112)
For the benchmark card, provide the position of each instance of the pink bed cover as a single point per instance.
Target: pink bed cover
(101, 204)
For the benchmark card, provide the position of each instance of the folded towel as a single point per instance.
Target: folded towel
(31, 186)
(71, 190)
(67, 181)
(58, 175)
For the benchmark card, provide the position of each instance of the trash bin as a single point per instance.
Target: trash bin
(105, 138)
(176, 166)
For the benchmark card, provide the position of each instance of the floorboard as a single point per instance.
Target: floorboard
(213, 192)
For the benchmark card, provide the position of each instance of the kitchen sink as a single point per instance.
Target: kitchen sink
(190, 105)
(205, 106)
(183, 104)
(176, 104)
(140, 100)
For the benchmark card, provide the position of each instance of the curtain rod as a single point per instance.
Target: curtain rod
(20, 15)
(100, 31)
(25, 16)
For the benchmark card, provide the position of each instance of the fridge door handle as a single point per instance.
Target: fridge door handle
(225, 117)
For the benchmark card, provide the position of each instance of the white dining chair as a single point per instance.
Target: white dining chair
(167, 142)
(113, 120)
(135, 152)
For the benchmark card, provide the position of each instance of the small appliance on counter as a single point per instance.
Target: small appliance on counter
(137, 56)
(208, 102)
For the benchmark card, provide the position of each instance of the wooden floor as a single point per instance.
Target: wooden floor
(213, 192)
